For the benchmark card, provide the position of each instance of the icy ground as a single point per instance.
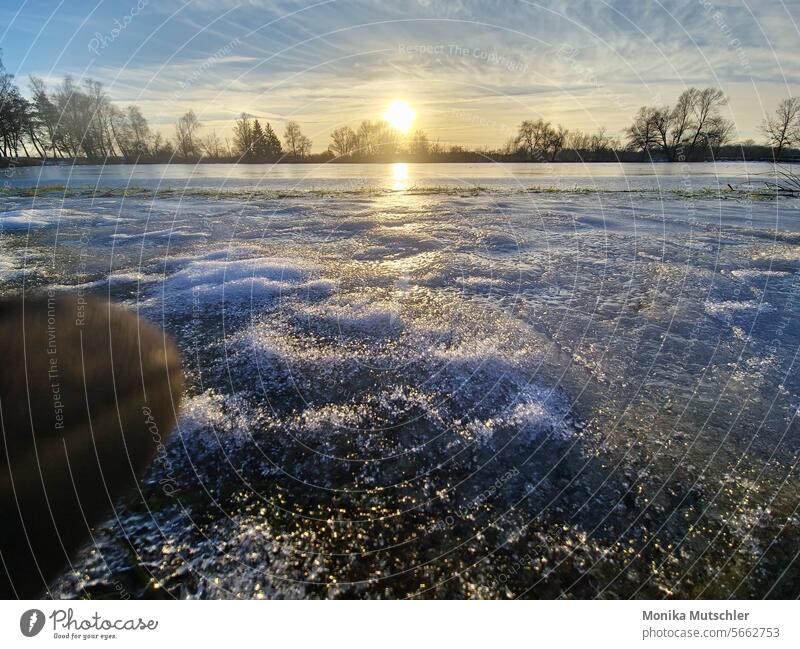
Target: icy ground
(443, 395)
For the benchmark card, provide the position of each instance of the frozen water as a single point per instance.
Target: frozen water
(209, 278)
(429, 390)
(34, 219)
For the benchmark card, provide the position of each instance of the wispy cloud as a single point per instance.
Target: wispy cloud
(331, 62)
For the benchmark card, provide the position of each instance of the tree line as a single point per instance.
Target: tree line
(75, 120)
(78, 120)
(693, 129)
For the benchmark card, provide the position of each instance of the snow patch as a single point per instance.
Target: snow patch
(19, 220)
(223, 275)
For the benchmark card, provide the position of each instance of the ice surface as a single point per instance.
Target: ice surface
(23, 220)
(38, 218)
(450, 393)
(235, 275)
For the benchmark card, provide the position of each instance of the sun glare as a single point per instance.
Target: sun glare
(400, 176)
(400, 115)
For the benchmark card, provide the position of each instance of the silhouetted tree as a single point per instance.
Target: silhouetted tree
(531, 136)
(141, 136)
(556, 138)
(44, 118)
(84, 122)
(297, 144)
(272, 145)
(540, 139)
(681, 131)
(187, 143)
(642, 135)
(343, 142)
(259, 146)
(162, 149)
(74, 119)
(212, 146)
(783, 130)
(243, 141)
(131, 132)
(377, 138)
(13, 115)
(418, 144)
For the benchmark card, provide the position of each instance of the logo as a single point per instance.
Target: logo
(31, 622)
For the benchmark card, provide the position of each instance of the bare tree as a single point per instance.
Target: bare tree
(343, 142)
(579, 141)
(297, 144)
(532, 136)
(418, 144)
(783, 130)
(187, 143)
(601, 141)
(84, 118)
(376, 138)
(73, 116)
(597, 145)
(123, 133)
(364, 138)
(709, 126)
(555, 139)
(387, 138)
(99, 130)
(680, 131)
(643, 135)
(540, 139)
(161, 148)
(212, 146)
(243, 141)
(131, 132)
(140, 132)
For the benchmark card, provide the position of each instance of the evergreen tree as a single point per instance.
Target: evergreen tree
(272, 143)
(259, 144)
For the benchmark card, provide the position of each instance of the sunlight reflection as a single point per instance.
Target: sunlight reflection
(400, 175)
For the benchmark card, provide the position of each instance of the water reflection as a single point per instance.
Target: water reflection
(400, 175)
(266, 177)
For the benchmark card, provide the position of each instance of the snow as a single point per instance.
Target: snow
(23, 220)
(363, 366)
(40, 218)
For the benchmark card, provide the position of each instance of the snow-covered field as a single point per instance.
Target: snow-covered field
(401, 386)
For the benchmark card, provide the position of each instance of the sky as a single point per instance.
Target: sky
(472, 69)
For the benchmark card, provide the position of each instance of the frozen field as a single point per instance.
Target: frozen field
(443, 380)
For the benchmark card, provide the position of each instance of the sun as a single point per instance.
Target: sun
(400, 115)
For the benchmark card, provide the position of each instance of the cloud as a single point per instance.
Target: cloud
(326, 63)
